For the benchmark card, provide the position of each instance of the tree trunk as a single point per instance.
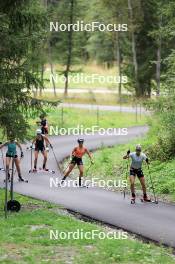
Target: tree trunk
(46, 2)
(42, 78)
(158, 67)
(158, 64)
(69, 57)
(51, 68)
(135, 63)
(119, 65)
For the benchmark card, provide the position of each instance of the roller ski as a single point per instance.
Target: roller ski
(82, 186)
(145, 199)
(148, 200)
(47, 170)
(133, 200)
(42, 171)
(33, 171)
(20, 179)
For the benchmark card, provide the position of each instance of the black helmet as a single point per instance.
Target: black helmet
(80, 140)
(42, 116)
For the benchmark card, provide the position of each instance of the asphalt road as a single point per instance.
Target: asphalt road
(154, 222)
(112, 108)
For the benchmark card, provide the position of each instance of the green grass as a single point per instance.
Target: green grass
(97, 73)
(25, 239)
(88, 98)
(87, 118)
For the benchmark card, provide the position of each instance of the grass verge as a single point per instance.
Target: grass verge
(71, 118)
(25, 239)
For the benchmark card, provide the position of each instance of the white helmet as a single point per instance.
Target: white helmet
(138, 147)
(38, 131)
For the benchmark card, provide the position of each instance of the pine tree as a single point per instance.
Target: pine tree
(22, 31)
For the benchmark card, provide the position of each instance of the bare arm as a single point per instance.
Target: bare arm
(33, 141)
(73, 151)
(89, 154)
(127, 155)
(147, 160)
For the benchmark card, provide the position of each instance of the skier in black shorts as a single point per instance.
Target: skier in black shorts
(137, 159)
(11, 153)
(44, 127)
(39, 142)
(77, 155)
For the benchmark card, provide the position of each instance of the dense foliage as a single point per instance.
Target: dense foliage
(21, 33)
(164, 148)
(141, 52)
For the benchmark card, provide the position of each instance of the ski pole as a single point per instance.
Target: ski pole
(88, 169)
(6, 192)
(31, 161)
(6, 184)
(126, 177)
(3, 158)
(91, 164)
(57, 162)
(152, 186)
(12, 178)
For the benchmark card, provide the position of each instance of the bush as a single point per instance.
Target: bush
(164, 111)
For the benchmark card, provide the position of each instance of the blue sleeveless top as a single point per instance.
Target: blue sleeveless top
(11, 151)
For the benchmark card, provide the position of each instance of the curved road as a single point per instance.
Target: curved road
(112, 108)
(154, 222)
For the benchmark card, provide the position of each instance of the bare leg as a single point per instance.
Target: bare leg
(81, 169)
(45, 159)
(142, 181)
(16, 160)
(45, 133)
(36, 159)
(132, 185)
(8, 165)
(68, 171)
